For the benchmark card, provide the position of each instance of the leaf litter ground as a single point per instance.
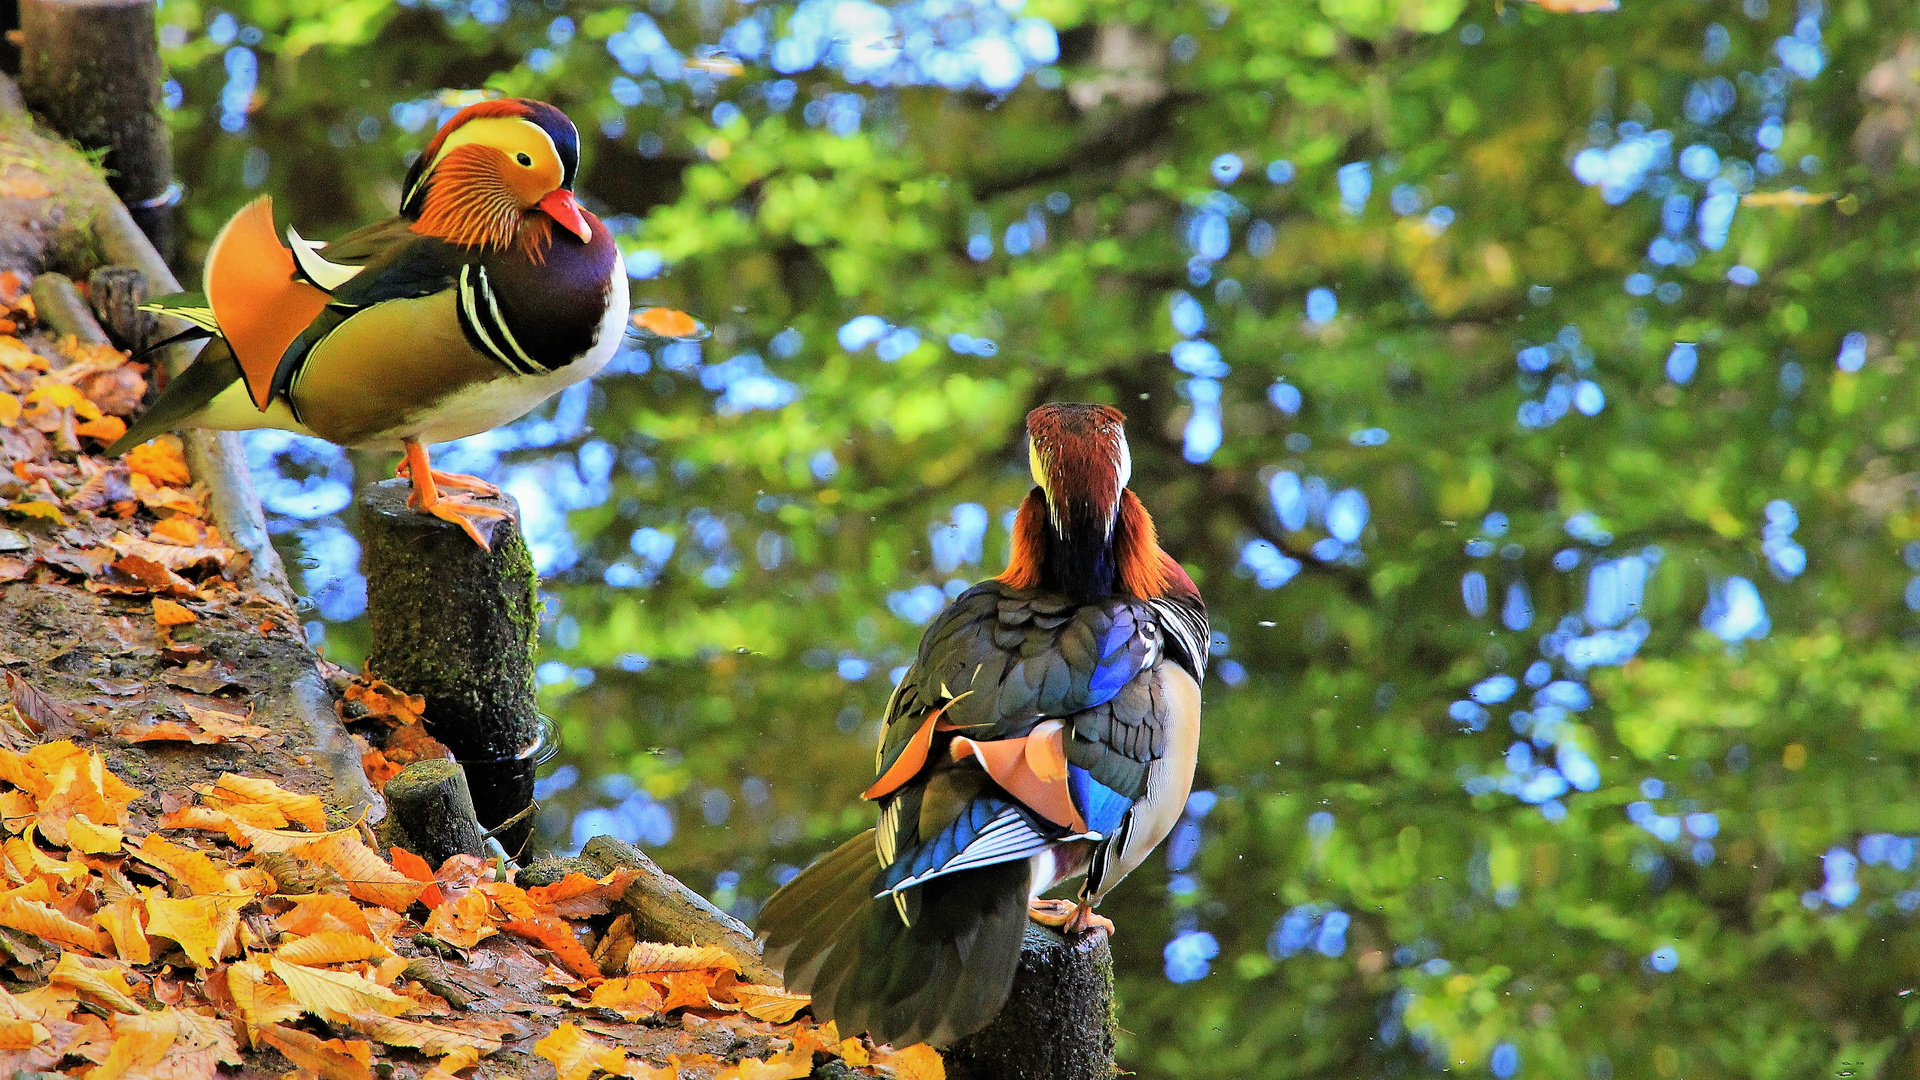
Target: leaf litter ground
(177, 898)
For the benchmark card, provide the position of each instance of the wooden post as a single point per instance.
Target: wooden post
(456, 625)
(430, 812)
(92, 69)
(115, 293)
(1058, 1023)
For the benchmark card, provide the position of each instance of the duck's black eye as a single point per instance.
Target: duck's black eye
(523, 159)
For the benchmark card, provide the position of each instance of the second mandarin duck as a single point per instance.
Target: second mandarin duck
(1047, 730)
(491, 291)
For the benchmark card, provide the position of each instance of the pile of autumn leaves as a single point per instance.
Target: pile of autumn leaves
(134, 527)
(168, 957)
(241, 921)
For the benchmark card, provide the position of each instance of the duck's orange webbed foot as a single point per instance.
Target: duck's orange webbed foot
(456, 481)
(1067, 917)
(458, 509)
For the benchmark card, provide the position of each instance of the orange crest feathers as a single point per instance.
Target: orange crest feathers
(467, 203)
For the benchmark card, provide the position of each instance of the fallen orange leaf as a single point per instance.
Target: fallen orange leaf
(660, 956)
(329, 1059)
(106, 429)
(578, 896)
(124, 922)
(916, 1062)
(633, 998)
(416, 868)
(367, 875)
(793, 1064)
(557, 937)
(40, 920)
(463, 923)
(161, 461)
(433, 1039)
(319, 914)
(384, 701)
(168, 613)
(769, 1003)
(687, 990)
(448, 1068)
(260, 1001)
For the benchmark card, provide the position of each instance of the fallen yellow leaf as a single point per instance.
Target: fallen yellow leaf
(100, 982)
(206, 927)
(633, 998)
(124, 922)
(262, 1001)
(9, 409)
(332, 947)
(577, 1054)
(792, 1064)
(305, 810)
(916, 1062)
(90, 839)
(434, 1039)
(334, 996)
(769, 1003)
(368, 876)
(1786, 197)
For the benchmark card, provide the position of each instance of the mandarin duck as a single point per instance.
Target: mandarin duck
(491, 291)
(1047, 730)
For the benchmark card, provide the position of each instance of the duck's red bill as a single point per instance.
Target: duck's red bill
(560, 207)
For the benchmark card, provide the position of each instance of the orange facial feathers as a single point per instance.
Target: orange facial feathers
(255, 299)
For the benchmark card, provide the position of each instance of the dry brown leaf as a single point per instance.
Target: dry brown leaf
(577, 1054)
(335, 995)
(328, 1059)
(659, 956)
(206, 927)
(40, 712)
(769, 1003)
(173, 557)
(153, 575)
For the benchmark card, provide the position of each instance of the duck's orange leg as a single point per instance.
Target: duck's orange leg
(455, 508)
(1067, 917)
(457, 481)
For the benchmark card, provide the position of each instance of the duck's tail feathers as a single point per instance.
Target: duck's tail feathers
(933, 967)
(188, 393)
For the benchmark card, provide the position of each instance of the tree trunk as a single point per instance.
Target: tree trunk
(92, 68)
(456, 624)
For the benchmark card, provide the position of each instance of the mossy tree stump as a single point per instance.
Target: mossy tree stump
(1058, 1023)
(456, 624)
(92, 68)
(430, 812)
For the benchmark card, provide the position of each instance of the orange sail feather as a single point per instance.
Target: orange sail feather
(255, 299)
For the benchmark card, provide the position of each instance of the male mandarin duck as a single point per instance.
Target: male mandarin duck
(491, 291)
(1047, 730)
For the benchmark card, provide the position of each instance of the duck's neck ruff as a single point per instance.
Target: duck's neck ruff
(1091, 558)
(468, 203)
